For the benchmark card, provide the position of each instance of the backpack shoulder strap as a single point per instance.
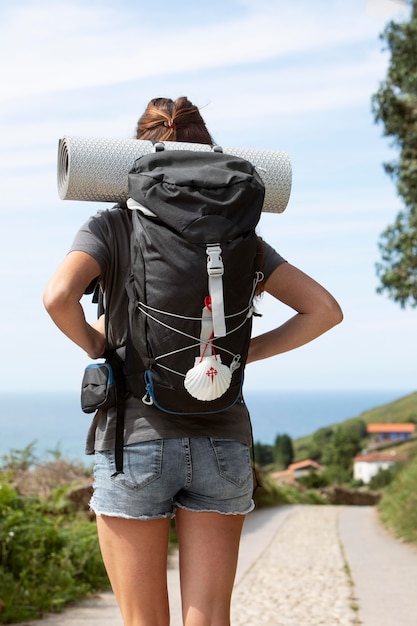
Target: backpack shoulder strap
(116, 362)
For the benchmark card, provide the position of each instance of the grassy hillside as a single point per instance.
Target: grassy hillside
(402, 410)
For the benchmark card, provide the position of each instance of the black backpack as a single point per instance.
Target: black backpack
(194, 273)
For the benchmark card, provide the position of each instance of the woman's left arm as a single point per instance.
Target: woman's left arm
(316, 312)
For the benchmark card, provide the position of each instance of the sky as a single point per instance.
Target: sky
(294, 76)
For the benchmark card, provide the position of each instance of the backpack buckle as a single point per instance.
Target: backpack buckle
(215, 265)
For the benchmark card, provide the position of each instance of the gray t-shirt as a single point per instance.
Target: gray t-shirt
(106, 237)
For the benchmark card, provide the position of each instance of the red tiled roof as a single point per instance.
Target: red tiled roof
(391, 428)
(304, 465)
(380, 457)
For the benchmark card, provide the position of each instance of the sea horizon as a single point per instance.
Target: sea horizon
(53, 421)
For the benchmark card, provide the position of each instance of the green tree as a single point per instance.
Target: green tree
(343, 447)
(283, 451)
(263, 453)
(395, 106)
(318, 443)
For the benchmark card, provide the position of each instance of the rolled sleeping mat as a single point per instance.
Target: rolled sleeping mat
(96, 169)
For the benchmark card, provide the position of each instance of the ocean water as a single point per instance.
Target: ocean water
(54, 421)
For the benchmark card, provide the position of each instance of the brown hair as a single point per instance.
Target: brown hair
(168, 120)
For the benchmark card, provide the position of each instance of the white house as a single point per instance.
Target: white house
(366, 466)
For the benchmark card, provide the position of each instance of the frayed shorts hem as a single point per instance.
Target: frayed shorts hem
(187, 508)
(145, 518)
(170, 515)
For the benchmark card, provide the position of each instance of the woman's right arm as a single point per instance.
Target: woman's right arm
(316, 312)
(62, 298)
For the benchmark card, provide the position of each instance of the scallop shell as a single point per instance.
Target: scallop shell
(208, 379)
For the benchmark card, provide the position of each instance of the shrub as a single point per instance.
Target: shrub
(314, 480)
(271, 493)
(336, 475)
(383, 478)
(46, 560)
(398, 505)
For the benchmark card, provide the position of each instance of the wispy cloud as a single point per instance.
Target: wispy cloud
(76, 45)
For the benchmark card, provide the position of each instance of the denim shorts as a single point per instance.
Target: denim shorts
(198, 474)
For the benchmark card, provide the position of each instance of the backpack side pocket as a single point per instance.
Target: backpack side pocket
(98, 389)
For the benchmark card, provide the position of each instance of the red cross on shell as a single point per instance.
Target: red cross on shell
(211, 373)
